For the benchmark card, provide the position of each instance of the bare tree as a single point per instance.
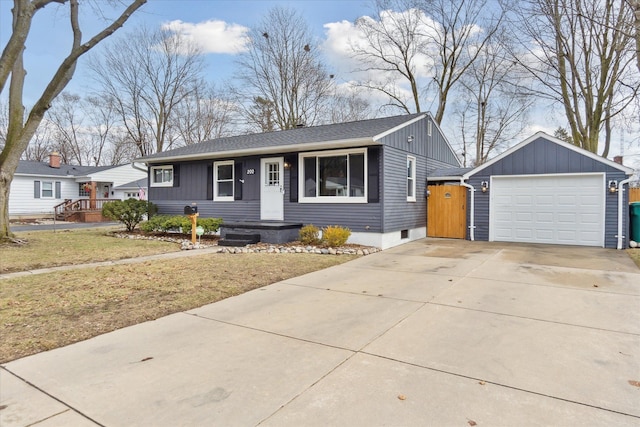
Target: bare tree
(147, 74)
(207, 113)
(349, 107)
(66, 119)
(19, 130)
(494, 109)
(457, 32)
(100, 116)
(581, 53)
(390, 48)
(426, 44)
(41, 144)
(282, 66)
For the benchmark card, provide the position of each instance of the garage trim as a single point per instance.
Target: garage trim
(552, 212)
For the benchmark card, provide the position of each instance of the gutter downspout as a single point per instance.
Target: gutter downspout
(472, 225)
(620, 236)
(140, 168)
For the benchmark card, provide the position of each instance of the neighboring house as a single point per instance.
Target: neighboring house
(132, 190)
(368, 175)
(39, 187)
(543, 190)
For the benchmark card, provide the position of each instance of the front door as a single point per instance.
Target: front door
(272, 189)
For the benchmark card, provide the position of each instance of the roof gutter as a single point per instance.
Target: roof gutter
(620, 236)
(140, 168)
(472, 225)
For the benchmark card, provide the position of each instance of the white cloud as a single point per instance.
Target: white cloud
(212, 36)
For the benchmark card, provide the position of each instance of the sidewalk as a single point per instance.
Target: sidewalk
(434, 332)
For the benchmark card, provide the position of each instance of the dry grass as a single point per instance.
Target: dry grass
(47, 311)
(51, 249)
(635, 255)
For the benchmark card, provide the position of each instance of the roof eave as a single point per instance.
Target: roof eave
(627, 170)
(291, 148)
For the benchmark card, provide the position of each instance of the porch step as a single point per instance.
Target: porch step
(239, 239)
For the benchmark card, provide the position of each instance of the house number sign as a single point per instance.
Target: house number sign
(251, 171)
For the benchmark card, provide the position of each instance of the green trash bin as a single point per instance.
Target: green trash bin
(634, 214)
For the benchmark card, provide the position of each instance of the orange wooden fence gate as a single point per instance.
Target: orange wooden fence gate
(634, 195)
(447, 211)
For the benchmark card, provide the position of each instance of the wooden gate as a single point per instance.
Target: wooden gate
(447, 211)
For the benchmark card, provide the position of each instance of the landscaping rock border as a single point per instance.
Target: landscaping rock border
(291, 248)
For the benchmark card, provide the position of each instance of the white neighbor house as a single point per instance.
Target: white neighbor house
(38, 187)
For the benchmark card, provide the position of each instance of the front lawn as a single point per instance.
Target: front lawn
(67, 247)
(45, 311)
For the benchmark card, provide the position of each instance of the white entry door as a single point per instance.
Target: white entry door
(272, 189)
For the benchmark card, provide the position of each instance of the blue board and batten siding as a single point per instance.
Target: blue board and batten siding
(194, 181)
(386, 210)
(542, 156)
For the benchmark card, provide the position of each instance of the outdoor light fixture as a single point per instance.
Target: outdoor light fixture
(287, 165)
(410, 138)
(613, 186)
(484, 186)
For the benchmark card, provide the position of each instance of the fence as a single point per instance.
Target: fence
(634, 195)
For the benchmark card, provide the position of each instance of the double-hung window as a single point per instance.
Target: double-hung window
(47, 189)
(333, 176)
(223, 181)
(411, 179)
(162, 176)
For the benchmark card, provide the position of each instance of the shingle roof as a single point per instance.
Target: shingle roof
(27, 167)
(41, 168)
(140, 183)
(306, 135)
(448, 172)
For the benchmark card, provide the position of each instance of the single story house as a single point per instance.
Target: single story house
(367, 175)
(40, 188)
(542, 190)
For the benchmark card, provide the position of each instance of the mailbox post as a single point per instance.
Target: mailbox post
(192, 213)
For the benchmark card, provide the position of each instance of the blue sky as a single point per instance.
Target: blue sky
(218, 25)
(50, 38)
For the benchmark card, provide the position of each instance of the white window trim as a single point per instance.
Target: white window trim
(331, 199)
(429, 128)
(161, 184)
(53, 190)
(216, 197)
(413, 179)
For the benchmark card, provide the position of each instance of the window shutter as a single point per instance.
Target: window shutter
(293, 179)
(58, 190)
(176, 175)
(237, 176)
(373, 175)
(210, 182)
(36, 189)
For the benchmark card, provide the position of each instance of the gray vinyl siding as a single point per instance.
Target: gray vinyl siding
(545, 157)
(400, 214)
(358, 217)
(238, 210)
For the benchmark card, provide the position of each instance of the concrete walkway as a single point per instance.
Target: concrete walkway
(434, 332)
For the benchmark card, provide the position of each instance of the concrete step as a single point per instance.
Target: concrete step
(239, 239)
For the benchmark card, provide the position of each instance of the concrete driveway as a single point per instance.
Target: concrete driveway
(434, 332)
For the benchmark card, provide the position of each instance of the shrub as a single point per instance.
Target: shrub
(130, 212)
(210, 225)
(164, 223)
(334, 235)
(308, 235)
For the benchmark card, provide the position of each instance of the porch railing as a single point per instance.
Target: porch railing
(69, 207)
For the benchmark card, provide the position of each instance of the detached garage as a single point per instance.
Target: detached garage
(545, 190)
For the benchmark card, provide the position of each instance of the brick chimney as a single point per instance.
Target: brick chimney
(54, 160)
(617, 159)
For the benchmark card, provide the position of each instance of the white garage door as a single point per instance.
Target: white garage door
(555, 209)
